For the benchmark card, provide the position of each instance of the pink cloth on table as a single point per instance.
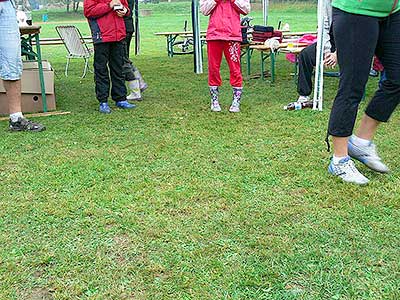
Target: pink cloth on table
(308, 39)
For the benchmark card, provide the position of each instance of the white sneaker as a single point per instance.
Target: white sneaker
(235, 107)
(135, 96)
(303, 99)
(215, 106)
(347, 171)
(368, 156)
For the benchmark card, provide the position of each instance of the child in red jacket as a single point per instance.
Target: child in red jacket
(224, 37)
(108, 33)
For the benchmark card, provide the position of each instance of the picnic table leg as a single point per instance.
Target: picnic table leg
(169, 45)
(272, 54)
(296, 68)
(41, 76)
(262, 65)
(248, 57)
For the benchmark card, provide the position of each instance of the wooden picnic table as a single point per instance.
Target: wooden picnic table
(266, 52)
(298, 33)
(53, 41)
(171, 37)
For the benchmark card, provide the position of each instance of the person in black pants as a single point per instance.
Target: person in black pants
(136, 83)
(358, 37)
(108, 33)
(307, 57)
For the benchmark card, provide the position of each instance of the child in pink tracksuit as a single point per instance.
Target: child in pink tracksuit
(224, 36)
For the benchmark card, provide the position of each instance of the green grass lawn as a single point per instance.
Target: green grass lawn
(171, 201)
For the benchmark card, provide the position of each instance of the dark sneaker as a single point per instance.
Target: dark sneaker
(125, 104)
(26, 125)
(104, 108)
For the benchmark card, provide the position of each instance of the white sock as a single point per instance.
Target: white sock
(15, 116)
(337, 159)
(359, 141)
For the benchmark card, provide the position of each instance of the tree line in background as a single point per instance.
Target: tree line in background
(73, 5)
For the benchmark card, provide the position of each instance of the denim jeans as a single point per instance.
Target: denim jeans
(10, 43)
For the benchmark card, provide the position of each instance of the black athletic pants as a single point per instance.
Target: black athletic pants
(108, 63)
(128, 68)
(357, 38)
(307, 60)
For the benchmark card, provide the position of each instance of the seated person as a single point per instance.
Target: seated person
(307, 57)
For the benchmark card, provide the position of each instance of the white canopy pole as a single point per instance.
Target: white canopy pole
(319, 66)
(265, 11)
(198, 55)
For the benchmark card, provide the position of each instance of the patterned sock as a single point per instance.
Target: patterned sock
(237, 96)
(214, 92)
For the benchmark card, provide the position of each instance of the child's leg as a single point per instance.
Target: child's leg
(101, 74)
(214, 51)
(232, 55)
(117, 54)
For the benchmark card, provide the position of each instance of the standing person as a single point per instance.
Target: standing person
(11, 68)
(308, 56)
(362, 28)
(136, 83)
(108, 33)
(224, 37)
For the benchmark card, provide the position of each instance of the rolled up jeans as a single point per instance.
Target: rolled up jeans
(358, 38)
(10, 43)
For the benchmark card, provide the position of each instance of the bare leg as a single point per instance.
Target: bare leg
(367, 128)
(13, 90)
(340, 146)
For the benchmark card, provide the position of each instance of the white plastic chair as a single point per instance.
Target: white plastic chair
(76, 46)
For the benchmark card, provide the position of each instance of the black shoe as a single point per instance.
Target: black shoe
(26, 125)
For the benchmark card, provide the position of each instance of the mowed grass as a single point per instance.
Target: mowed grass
(171, 201)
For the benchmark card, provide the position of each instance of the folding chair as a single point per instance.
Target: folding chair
(76, 46)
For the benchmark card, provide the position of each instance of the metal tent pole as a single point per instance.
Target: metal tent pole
(198, 55)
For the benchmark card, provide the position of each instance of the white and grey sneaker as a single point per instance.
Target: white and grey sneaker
(215, 106)
(347, 171)
(303, 99)
(235, 107)
(368, 156)
(134, 95)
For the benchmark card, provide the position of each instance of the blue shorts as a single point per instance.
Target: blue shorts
(10, 43)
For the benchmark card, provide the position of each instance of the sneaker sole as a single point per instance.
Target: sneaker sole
(29, 130)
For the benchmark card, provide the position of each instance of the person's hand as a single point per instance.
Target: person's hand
(122, 13)
(114, 2)
(330, 60)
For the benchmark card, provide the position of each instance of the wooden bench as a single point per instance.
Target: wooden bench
(58, 41)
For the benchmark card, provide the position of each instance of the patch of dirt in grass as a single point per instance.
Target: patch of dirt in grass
(39, 294)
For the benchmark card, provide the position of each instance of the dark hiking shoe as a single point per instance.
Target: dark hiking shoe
(26, 125)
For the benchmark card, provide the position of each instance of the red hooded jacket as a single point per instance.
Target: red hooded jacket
(224, 21)
(104, 22)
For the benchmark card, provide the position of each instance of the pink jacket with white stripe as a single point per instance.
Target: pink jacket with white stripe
(224, 21)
